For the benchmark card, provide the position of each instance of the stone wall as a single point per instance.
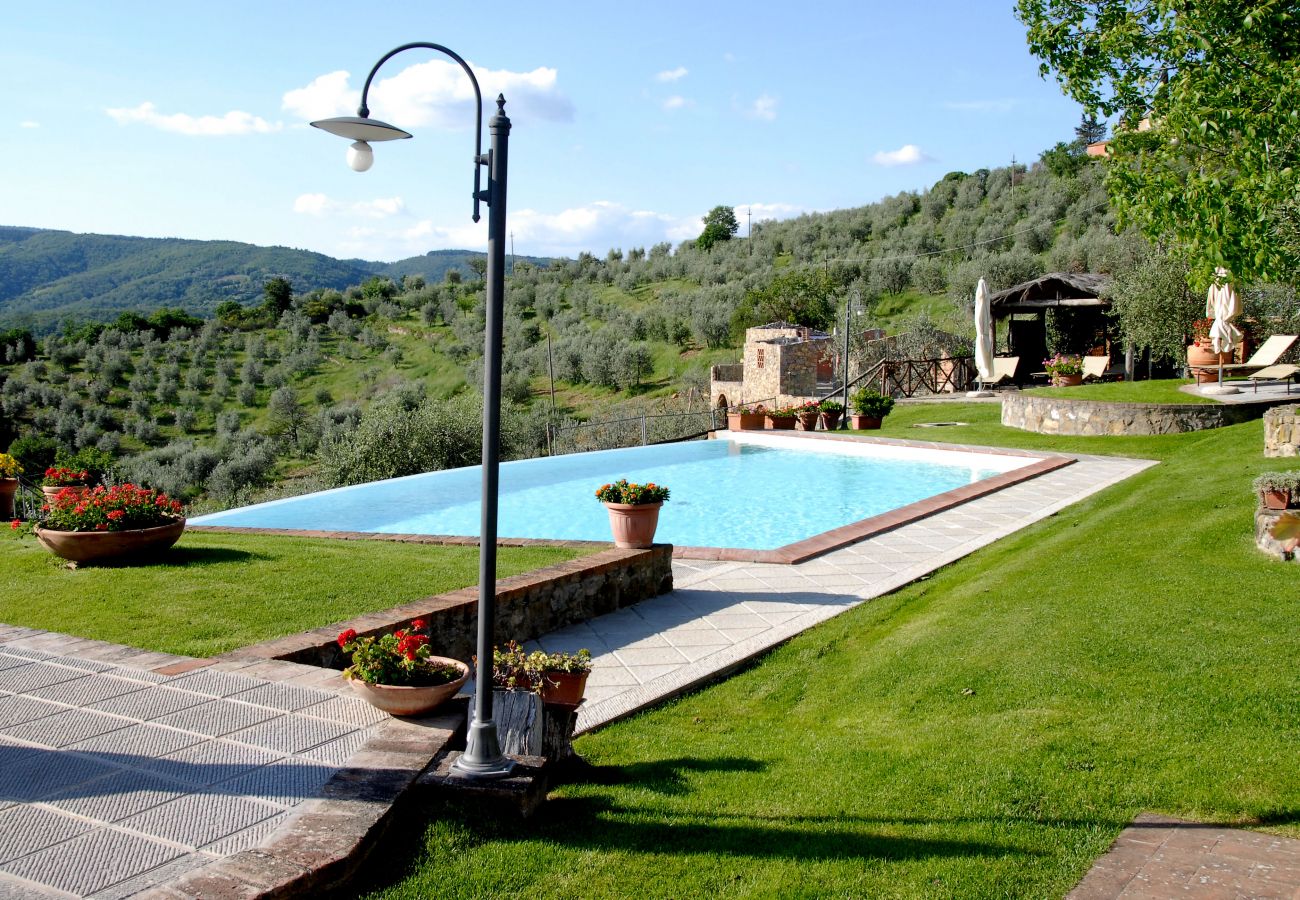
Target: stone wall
(1282, 431)
(726, 385)
(1058, 415)
(527, 606)
(1265, 519)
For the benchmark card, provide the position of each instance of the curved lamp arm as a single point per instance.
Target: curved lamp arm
(363, 111)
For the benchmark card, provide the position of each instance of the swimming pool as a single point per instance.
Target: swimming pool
(750, 490)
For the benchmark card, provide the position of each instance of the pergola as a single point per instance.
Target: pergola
(1025, 307)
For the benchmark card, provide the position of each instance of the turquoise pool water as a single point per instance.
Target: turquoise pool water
(756, 492)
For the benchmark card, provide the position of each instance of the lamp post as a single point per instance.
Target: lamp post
(482, 757)
(849, 303)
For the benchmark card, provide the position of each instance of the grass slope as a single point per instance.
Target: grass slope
(1154, 391)
(216, 592)
(983, 733)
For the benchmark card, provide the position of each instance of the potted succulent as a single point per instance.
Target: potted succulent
(398, 673)
(831, 411)
(782, 418)
(108, 522)
(60, 478)
(745, 418)
(510, 670)
(633, 511)
(1064, 370)
(808, 413)
(561, 678)
(9, 472)
(1275, 489)
(870, 407)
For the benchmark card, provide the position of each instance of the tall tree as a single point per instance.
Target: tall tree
(719, 225)
(277, 295)
(1217, 175)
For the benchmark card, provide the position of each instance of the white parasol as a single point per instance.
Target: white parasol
(983, 333)
(1223, 305)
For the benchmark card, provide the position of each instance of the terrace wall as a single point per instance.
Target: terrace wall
(1282, 431)
(1058, 415)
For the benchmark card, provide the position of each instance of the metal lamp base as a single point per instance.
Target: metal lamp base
(483, 757)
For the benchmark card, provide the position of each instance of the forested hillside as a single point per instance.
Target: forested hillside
(47, 277)
(315, 386)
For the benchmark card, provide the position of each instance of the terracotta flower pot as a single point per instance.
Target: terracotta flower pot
(781, 423)
(864, 423)
(92, 546)
(1202, 355)
(808, 420)
(830, 420)
(633, 524)
(52, 493)
(745, 421)
(1067, 380)
(403, 700)
(563, 688)
(8, 487)
(1275, 499)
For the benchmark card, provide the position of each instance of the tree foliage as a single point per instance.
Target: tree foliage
(1217, 176)
(719, 225)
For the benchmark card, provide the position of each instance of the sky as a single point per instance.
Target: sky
(629, 121)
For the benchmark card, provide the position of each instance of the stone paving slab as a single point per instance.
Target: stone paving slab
(116, 778)
(1159, 858)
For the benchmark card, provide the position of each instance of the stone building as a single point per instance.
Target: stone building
(782, 365)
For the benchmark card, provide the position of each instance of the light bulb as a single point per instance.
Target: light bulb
(360, 156)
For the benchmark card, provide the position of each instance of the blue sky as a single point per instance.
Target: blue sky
(630, 121)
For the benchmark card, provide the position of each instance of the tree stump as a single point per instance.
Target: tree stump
(528, 727)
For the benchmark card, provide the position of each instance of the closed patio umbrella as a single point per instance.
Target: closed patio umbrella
(1223, 305)
(983, 335)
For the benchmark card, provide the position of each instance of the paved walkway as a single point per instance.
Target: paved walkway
(1157, 858)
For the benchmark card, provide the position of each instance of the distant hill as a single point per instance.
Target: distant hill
(48, 276)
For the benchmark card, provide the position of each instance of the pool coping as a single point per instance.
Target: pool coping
(789, 554)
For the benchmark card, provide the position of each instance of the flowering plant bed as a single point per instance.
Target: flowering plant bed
(622, 491)
(1063, 364)
(401, 658)
(9, 467)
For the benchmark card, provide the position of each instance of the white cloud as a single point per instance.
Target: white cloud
(594, 227)
(906, 155)
(1004, 105)
(327, 96)
(673, 74)
(764, 108)
(434, 93)
(233, 122)
(676, 101)
(321, 205)
(29, 124)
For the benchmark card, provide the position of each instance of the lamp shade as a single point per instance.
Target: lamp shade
(355, 128)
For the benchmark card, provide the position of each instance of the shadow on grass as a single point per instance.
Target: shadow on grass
(178, 556)
(665, 776)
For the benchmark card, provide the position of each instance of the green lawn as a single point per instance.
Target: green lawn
(1155, 391)
(983, 733)
(216, 592)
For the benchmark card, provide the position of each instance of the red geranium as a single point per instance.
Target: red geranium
(120, 508)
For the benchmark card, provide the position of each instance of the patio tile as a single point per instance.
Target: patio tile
(746, 619)
(92, 861)
(653, 656)
(66, 727)
(248, 838)
(217, 717)
(42, 774)
(37, 675)
(198, 819)
(646, 674)
(702, 651)
(26, 829)
(286, 782)
(151, 704)
(287, 697)
(352, 710)
(290, 733)
(119, 795)
(215, 683)
(135, 884)
(210, 762)
(127, 746)
(14, 710)
(90, 689)
(338, 751)
(736, 635)
(694, 637)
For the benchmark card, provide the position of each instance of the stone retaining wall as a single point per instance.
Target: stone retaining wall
(1265, 519)
(1058, 415)
(1282, 431)
(527, 606)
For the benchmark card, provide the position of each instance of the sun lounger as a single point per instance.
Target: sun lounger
(1004, 369)
(1283, 371)
(1095, 367)
(1268, 354)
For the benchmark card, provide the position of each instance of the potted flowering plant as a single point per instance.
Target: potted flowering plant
(782, 418)
(744, 418)
(1064, 369)
(870, 408)
(633, 511)
(398, 673)
(1276, 489)
(60, 478)
(561, 678)
(510, 669)
(109, 522)
(808, 413)
(831, 411)
(9, 472)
